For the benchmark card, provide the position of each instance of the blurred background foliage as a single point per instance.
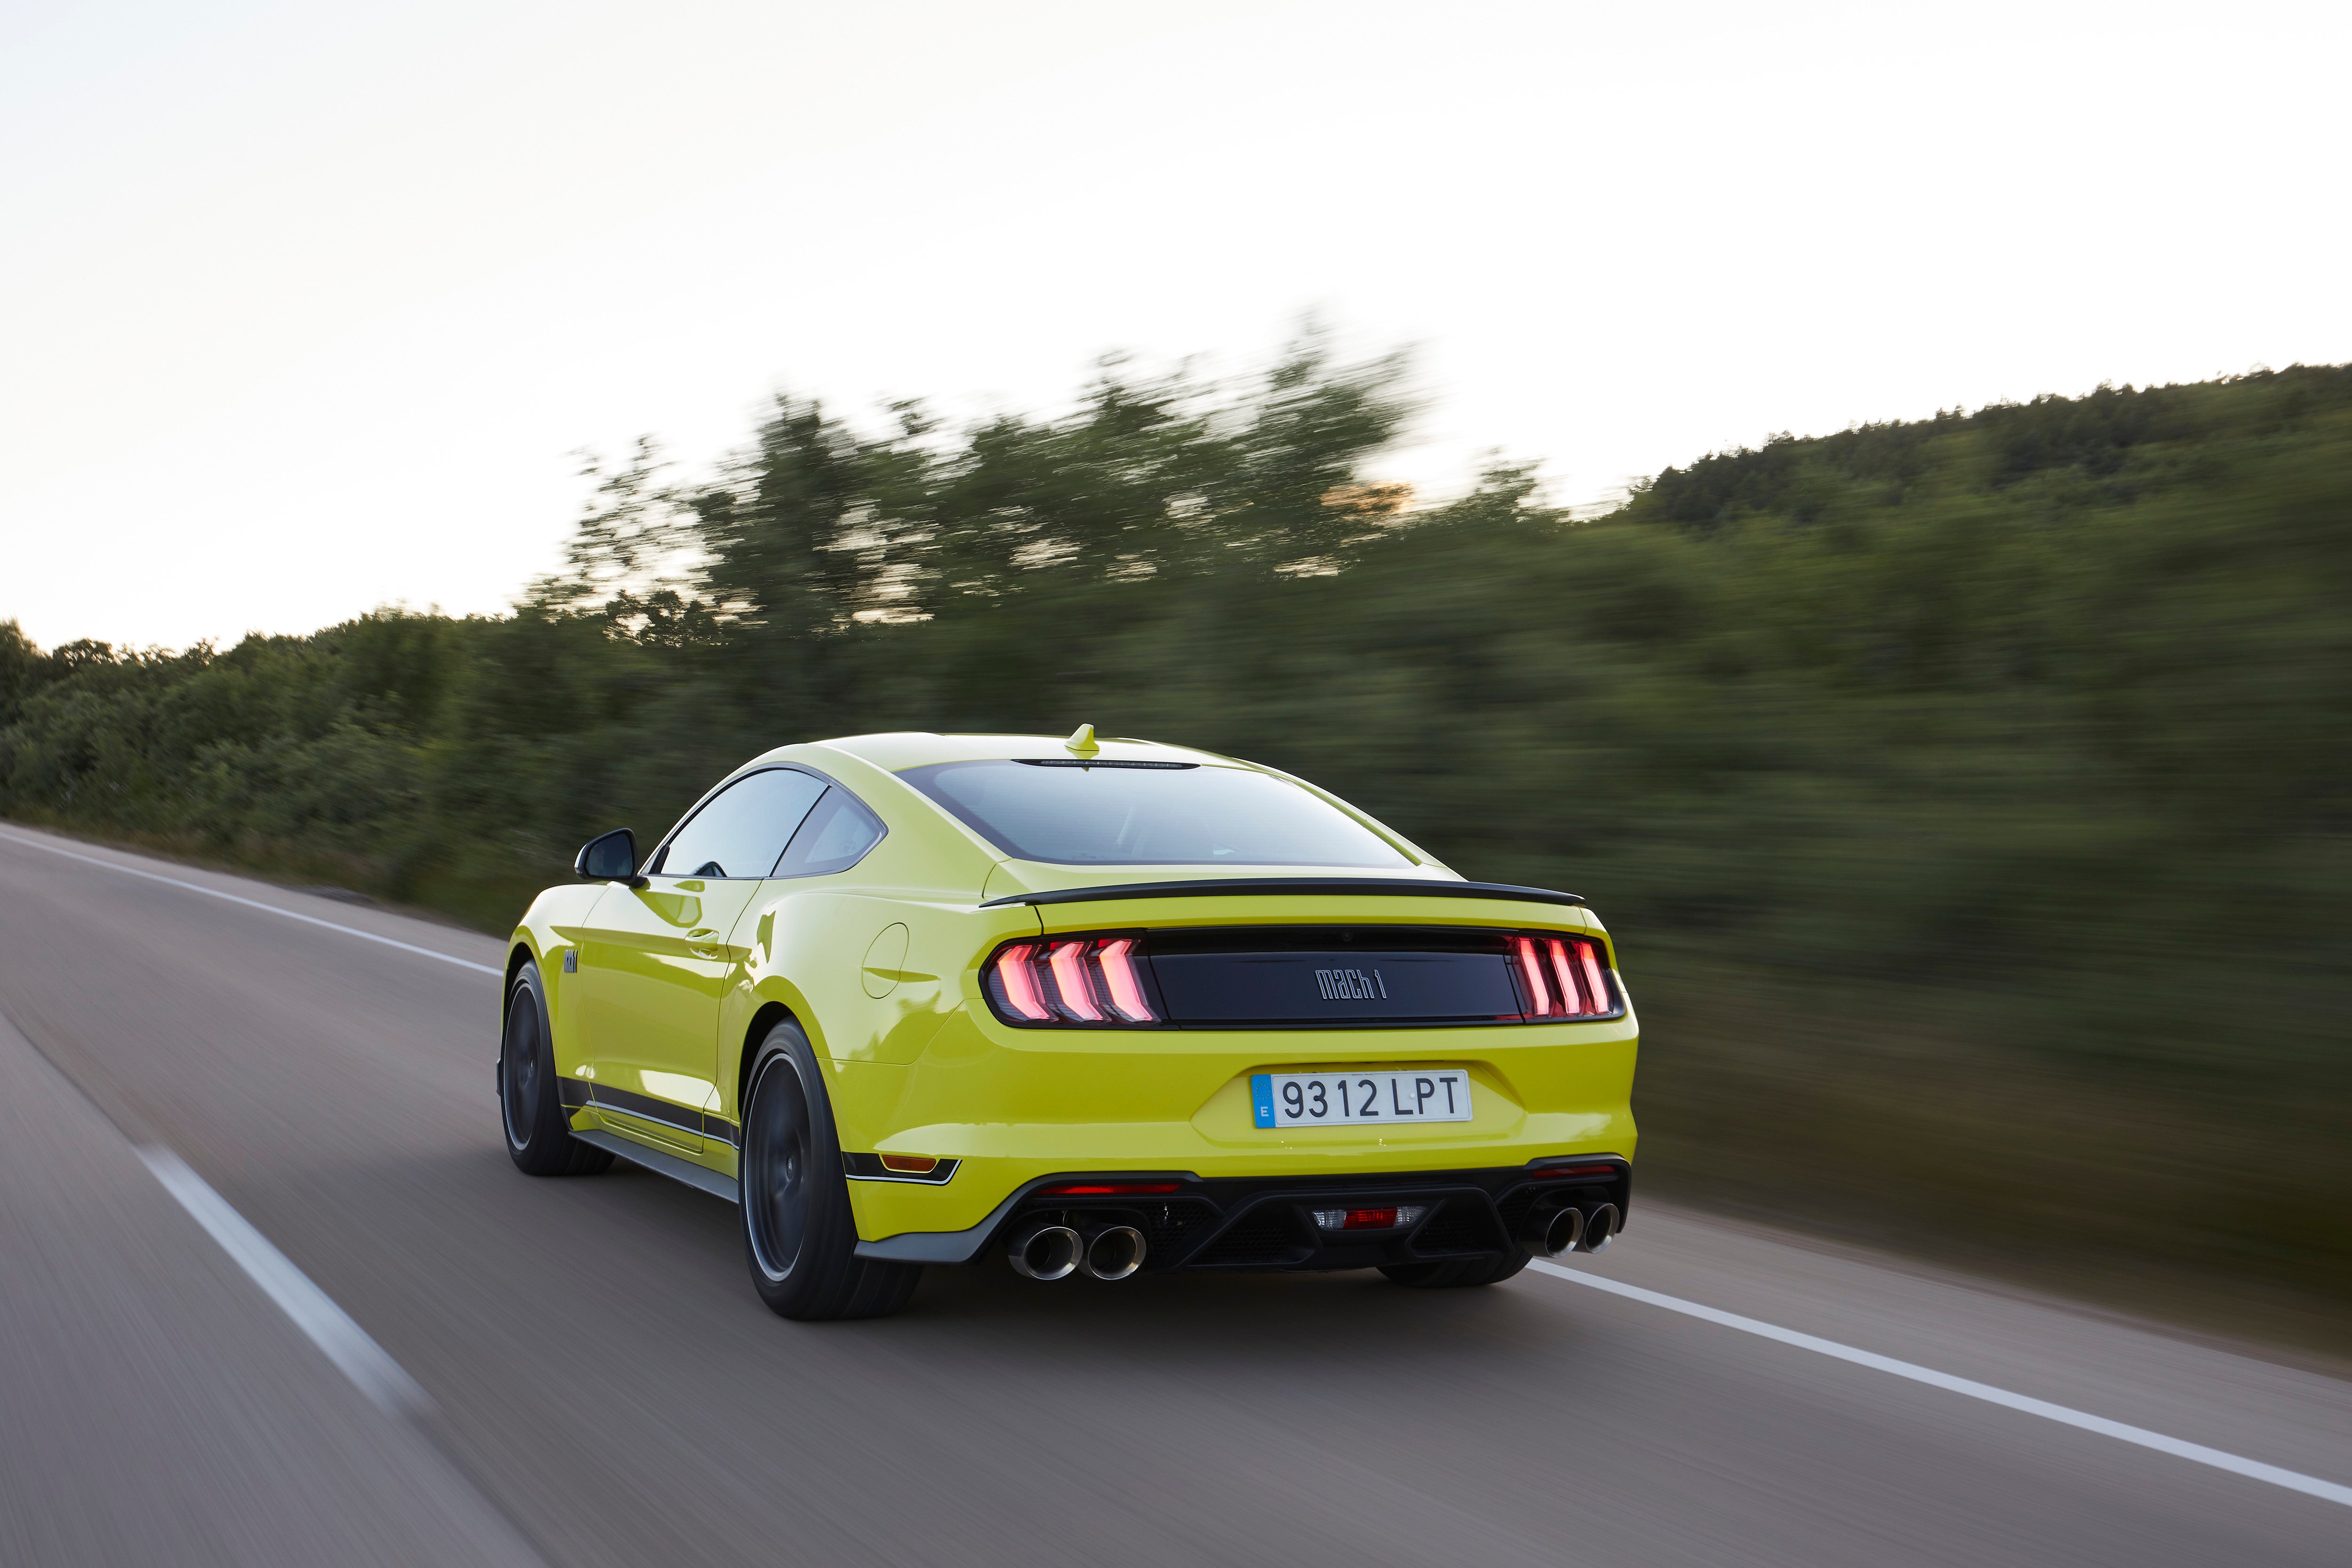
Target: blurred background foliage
(1968, 796)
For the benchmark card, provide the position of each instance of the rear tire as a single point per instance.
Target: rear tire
(799, 1235)
(1457, 1272)
(538, 1131)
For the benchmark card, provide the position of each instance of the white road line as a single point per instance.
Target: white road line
(253, 904)
(2310, 1486)
(314, 1312)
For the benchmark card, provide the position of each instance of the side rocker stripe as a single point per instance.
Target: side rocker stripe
(580, 1092)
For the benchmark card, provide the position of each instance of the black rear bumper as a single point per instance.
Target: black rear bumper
(1260, 1223)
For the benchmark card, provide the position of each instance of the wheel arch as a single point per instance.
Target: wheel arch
(520, 954)
(770, 1013)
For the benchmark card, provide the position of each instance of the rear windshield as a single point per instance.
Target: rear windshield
(1178, 815)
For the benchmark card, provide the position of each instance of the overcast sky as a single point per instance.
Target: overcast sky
(303, 307)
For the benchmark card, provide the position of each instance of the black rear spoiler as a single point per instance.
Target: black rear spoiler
(1277, 886)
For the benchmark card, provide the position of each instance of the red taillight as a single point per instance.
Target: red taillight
(1558, 949)
(1584, 951)
(1082, 980)
(1125, 986)
(1539, 993)
(1019, 986)
(1074, 989)
(1371, 1219)
(1108, 1189)
(1563, 977)
(1553, 1173)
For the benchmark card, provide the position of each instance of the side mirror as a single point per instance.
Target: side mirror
(610, 858)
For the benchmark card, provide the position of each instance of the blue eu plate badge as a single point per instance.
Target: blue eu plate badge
(1262, 1097)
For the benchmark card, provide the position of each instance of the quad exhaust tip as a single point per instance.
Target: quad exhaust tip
(1046, 1252)
(1050, 1251)
(1550, 1234)
(1114, 1252)
(1600, 1228)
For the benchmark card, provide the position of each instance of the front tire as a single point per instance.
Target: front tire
(539, 1133)
(799, 1235)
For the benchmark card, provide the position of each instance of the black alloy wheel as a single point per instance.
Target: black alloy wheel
(538, 1134)
(776, 1171)
(798, 1230)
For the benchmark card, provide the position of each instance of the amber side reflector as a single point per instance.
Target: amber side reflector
(910, 1164)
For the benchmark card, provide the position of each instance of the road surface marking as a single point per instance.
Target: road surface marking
(313, 1311)
(255, 904)
(2310, 1486)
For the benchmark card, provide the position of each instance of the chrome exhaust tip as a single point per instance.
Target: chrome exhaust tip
(1044, 1252)
(1114, 1252)
(1552, 1234)
(1600, 1228)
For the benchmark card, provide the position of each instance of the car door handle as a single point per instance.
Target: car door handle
(698, 942)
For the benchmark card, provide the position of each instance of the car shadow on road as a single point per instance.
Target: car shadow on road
(1236, 1320)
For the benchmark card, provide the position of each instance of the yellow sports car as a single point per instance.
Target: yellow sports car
(1108, 1006)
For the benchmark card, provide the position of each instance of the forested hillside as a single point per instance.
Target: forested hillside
(1972, 797)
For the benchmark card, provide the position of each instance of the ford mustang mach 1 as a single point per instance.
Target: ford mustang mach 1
(1104, 1007)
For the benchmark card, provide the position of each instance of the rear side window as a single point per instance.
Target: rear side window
(741, 830)
(1162, 813)
(836, 837)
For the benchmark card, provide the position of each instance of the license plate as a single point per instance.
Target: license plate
(1356, 1099)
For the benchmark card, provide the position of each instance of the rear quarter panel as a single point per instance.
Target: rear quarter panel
(828, 950)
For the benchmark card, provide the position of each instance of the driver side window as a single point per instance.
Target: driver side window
(742, 831)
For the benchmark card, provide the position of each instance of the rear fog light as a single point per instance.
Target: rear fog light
(1369, 1220)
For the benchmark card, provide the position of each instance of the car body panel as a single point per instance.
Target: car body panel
(656, 967)
(881, 966)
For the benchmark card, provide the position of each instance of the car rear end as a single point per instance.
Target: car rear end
(1332, 1079)
(1250, 1065)
(1245, 1026)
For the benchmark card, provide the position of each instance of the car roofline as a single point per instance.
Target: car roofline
(911, 753)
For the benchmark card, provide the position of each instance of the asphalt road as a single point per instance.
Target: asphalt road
(601, 1387)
